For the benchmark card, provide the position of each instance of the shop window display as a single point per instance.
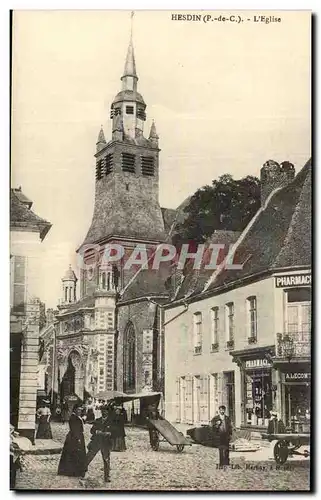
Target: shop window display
(258, 398)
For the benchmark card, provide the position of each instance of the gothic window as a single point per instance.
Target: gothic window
(128, 163)
(148, 165)
(129, 359)
(109, 164)
(129, 110)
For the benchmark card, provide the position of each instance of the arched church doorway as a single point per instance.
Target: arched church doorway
(72, 381)
(68, 381)
(129, 359)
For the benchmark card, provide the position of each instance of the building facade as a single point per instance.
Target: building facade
(242, 337)
(27, 231)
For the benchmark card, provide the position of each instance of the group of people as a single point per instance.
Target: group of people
(107, 434)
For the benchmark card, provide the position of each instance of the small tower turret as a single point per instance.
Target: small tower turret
(153, 137)
(69, 282)
(101, 141)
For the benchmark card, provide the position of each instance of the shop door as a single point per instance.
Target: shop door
(297, 407)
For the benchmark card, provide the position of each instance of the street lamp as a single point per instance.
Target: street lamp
(288, 347)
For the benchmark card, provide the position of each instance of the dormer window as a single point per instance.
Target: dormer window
(148, 166)
(129, 110)
(128, 163)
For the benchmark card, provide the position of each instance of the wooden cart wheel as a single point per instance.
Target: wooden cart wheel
(281, 452)
(180, 448)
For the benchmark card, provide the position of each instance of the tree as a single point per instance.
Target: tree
(228, 204)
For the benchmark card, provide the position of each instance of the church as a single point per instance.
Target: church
(111, 338)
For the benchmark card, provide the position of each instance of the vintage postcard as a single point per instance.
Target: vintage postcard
(160, 226)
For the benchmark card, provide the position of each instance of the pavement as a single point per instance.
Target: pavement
(140, 468)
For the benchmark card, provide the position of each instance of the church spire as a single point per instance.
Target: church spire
(130, 77)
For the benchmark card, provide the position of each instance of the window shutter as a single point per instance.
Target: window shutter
(204, 404)
(19, 283)
(189, 400)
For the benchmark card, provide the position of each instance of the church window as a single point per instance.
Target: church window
(108, 281)
(128, 163)
(66, 294)
(129, 110)
(103, 281)
(99, 169)
(129, 358)
(148, 165)
(109, 164)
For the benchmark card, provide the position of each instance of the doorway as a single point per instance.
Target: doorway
(229, 394)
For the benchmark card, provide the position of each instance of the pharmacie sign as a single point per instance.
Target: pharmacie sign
(256, 363)
(293, 280)
(297, 376)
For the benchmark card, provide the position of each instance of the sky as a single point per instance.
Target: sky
(225, 98)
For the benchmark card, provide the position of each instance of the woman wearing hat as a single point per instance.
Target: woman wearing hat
(43, 415)
(73, 456)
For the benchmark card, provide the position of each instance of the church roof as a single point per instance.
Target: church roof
(128, 95)
(194, 279)
(23, 218)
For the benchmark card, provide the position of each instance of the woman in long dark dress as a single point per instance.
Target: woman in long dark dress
(73, 456)
(119, 443)
(43, 415)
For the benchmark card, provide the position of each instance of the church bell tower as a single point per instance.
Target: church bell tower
(127, 170)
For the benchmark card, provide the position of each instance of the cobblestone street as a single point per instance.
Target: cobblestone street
(140, 468)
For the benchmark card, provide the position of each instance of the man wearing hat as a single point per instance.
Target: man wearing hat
(102, 436)
(222, 428)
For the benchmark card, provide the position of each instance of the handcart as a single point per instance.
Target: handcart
(157, 425)
(287, 445)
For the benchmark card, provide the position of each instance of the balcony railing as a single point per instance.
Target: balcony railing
(293, 345)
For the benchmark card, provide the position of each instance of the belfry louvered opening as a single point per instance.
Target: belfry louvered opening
(109, 164)
(128, 162)
(99, 169)
(148, 165)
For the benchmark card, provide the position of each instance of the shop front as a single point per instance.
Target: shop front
(257, 385)
(296, 397)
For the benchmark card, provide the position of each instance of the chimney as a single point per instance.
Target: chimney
(275, 175)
